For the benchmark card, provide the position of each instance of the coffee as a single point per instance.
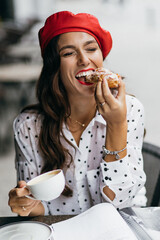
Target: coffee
(42, 177)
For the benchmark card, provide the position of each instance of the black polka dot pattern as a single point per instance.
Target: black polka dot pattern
(89, 173)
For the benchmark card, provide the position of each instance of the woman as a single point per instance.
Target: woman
(73, 120)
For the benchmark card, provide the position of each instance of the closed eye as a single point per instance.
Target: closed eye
(91, 49)
(67, 54)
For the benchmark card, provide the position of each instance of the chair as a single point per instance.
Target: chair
(151, 155)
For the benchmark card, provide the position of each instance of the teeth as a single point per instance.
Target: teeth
(83, 74)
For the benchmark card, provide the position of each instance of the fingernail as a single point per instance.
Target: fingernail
(104, 80)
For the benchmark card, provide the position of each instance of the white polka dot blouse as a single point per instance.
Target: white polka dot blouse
(89, 173)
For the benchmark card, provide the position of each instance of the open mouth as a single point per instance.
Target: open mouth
(81, 77)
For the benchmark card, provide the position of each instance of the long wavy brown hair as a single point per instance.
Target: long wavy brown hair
(54, 106)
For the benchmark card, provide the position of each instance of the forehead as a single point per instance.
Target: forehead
(75, 37)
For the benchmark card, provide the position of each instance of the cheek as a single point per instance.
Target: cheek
(98, 59)
(65, 67)
(63, 78)
(62, 66)
(62, 72)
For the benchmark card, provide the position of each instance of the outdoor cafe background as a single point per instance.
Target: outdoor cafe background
(135, 28)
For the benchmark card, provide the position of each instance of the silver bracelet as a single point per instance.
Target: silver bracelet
(108, 152)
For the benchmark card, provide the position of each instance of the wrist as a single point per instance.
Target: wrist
(38, 210)
(115, 153)
(112, 126)
(116, 140)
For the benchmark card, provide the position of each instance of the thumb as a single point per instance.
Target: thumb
(21, 184)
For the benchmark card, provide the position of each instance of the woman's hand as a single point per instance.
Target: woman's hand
(20, 204)
(114, 110)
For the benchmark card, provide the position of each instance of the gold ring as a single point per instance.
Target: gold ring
(24, 209)
(101, 104)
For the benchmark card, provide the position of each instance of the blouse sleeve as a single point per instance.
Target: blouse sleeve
(125, 177)
(28, 161)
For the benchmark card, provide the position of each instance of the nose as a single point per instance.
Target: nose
(82, 59)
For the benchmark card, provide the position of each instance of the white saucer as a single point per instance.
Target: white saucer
(26, 231)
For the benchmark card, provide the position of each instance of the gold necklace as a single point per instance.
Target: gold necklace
(81, 124)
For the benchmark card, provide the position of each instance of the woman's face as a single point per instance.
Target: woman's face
(80, 54)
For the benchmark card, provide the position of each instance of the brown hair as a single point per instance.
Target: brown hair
(54, 106)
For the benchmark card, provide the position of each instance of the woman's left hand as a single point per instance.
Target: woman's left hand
(114, 110)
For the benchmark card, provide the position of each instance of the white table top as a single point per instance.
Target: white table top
(19, 72)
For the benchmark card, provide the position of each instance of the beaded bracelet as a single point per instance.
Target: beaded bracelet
(108, 152)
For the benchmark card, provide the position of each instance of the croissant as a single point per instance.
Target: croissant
(101, 73)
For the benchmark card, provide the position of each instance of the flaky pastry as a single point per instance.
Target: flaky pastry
(100, 73)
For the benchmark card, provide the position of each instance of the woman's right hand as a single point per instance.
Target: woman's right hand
(22, 205)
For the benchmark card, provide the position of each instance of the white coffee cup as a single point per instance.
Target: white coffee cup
(47, 186)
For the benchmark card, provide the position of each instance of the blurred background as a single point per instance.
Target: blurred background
(135, 28)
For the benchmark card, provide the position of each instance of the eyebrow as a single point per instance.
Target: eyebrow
(73, 47)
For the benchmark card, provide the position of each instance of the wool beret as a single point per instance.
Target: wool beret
(65, 21)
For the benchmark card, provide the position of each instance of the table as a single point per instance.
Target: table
(44, 219)
(13, 97)
(17, 89)
(148, 218)
(145, 222)
(19, 72)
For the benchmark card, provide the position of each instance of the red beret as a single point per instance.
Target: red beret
(65, 21)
